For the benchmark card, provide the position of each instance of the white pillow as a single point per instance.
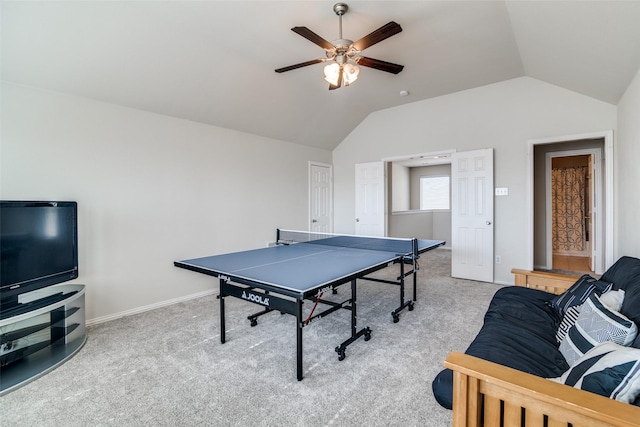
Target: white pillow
(595, 324)
(608, 369)
(613, 299)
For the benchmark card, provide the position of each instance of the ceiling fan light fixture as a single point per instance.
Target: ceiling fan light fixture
(349, 73)
(331, 73)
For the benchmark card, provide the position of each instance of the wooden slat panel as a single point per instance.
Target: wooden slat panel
(554, 283)
(474, 403)
(460, 401)
(512, 414)
(541, 396)
(535, 407)
(533, 418)
(554, 422)
(491, 411)
(519, 278)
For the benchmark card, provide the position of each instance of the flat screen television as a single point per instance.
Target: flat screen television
(39, 247)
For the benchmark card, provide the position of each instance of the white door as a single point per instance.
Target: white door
(472, 215)
(320, 198)
(370, 220)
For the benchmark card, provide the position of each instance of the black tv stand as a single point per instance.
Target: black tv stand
(26, 307)
(40, 333)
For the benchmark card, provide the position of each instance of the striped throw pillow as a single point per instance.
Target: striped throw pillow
(611, 299)
(608, 369)
(567, 322)
(596, 323)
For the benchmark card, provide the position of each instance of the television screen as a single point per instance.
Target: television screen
(39, 246)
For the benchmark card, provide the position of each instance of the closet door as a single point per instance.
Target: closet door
(472, 215)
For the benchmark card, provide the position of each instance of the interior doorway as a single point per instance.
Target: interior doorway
(573, 222)
(590, 226)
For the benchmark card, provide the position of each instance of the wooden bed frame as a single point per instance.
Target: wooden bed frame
(488, 394)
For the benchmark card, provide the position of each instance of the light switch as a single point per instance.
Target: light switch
(502, 191)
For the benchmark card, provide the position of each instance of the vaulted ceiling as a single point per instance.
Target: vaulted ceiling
(213, 61)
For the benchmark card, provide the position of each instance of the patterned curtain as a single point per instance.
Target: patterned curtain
(567, 191)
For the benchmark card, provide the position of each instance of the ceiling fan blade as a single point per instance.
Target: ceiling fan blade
(389, 67)
(300, 65)
(378, 35)
(313, 37)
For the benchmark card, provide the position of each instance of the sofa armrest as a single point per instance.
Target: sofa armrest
(488, 394)
(554, 283)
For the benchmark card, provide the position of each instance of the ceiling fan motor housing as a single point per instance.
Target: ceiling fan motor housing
(340, 8)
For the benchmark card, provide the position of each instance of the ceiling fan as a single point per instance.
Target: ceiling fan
(344, 55)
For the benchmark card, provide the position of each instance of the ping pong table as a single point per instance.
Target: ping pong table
(302, 266)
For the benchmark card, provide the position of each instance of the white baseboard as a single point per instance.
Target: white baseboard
(149, 307)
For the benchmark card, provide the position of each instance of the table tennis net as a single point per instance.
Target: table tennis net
(387, 244)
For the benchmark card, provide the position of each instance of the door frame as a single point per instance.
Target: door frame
(310, 193)
(608, 186)
(596, 198)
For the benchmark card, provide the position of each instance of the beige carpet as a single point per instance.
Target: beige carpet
(167, 367)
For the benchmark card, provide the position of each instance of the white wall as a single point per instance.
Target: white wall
(400, 188)
(627, 164)
(503, 116)
(150, 190)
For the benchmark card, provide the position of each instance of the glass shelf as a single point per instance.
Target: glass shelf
(49, 332)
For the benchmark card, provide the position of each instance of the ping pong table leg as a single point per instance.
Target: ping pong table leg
(415, 280)
(395, 314)
(299, 325)
(401, 283)
(355, 334)
(222, 326)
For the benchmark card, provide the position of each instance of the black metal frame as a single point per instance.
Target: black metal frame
(291, 302)
(413, 261)
(287, 302)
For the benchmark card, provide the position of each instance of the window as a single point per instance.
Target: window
(434, 192)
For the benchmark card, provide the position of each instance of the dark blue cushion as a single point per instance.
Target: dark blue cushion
(442, 387)
(519, 332)
(625, 274)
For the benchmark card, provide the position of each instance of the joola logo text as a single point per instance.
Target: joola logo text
(259, 299)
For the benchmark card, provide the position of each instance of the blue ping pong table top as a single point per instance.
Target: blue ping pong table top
(299, 267)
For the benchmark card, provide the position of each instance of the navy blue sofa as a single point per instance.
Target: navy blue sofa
(520, 325)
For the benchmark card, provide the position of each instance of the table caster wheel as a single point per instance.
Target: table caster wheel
(396, 318)
(341, 353)
(254, 322)
(411, 306)
(367, 335)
